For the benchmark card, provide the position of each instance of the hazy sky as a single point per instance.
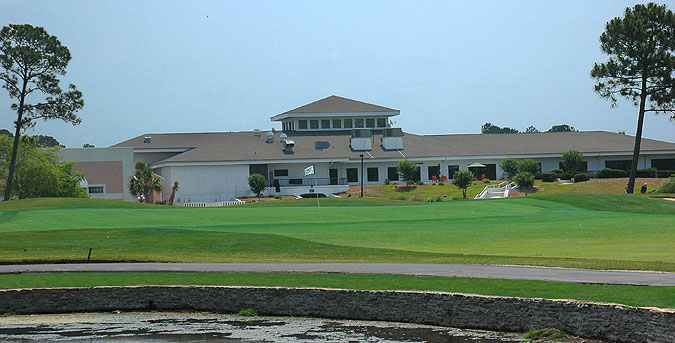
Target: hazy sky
(191, 66)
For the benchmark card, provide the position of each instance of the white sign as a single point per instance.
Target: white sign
(309, 170)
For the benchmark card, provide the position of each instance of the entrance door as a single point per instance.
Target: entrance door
(333, 176)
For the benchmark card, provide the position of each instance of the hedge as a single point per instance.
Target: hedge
(610, 173)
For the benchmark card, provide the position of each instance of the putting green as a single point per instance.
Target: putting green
(579, 231)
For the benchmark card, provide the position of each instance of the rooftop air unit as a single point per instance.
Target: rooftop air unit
(288, 145)
(392, 139)
(270, 137)
(283, 137)
(362, 139)
(256, 132)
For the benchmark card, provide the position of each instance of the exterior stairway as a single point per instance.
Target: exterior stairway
(496, 191)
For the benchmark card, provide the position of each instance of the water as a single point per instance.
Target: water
(209, 327)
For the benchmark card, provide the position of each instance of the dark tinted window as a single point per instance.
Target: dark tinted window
(372, 174)
(352, 175)
(392, 173)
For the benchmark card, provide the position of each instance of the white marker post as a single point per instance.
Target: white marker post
(310, 171)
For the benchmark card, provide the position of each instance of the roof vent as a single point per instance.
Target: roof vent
(147, 139)
(362, 139)
(283, 137)
(288, 145)
(270, 137)
(392, 139)
(256, 132)
(321, 145)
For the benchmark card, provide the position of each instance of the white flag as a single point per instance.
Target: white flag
(309, 170)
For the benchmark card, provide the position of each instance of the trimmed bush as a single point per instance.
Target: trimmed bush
(557, 171)
(581, 177)
(419, 183)
(486, 180)
(650, 172)
(548, 177)
(606, 173)
(668, 186)
(564, 176)
(524, 180)
(665, 173)
(386, 181)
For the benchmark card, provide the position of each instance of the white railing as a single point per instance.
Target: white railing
(214, 204)
(485, 191)
(503, 187)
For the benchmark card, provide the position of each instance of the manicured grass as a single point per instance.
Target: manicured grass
(581, 231)
(655, 296)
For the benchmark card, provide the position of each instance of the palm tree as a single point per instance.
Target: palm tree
(142, 184)
(173, 192)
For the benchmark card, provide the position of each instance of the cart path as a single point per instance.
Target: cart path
(618, 277)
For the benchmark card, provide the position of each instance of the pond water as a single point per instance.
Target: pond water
(209, 327)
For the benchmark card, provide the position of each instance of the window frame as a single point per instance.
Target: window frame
(383, 121)
(300, 124)
(395, 176)
(314, 124)
(356, 175)
(326, 122)
(338, 122)
(348, 126)
(375, 177)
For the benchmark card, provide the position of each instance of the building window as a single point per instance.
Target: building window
(623, 164)
(372, 174)
(348, 123)
(370, 123)
(281, 172)
(352, 175)
(392, 173)
(295, 181)
(96, 190)
(302, 124)
(314, 124)
(434, 171)
(663, 163)
(337, 123)
(358, 123)
(325, 123)
(451, 171)
(381, 122)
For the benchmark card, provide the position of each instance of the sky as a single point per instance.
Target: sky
(448, 66)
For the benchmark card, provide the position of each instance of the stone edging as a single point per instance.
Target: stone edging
(597, 320)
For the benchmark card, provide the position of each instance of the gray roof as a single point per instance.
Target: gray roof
(245, 146)
(337, 104)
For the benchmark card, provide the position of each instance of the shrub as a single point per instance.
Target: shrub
(581, 177)
(571, 161)
(564, 176)
(486, 180)
(529, 166)
(407, 170)
(257, 183)
(545, 333)
(557, 171)
(548, 177)
(509, 166)
(419, 183)
(524, 180)
(438, 198)
(665, 173)
(249, 312)
(610, 173)
(463, 180)
(386, 181)
(278, 197)
(649, 172)
(441, 183)
(668, 186)
(163, 202)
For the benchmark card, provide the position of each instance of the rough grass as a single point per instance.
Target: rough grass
(656, 296)
(583, 231)
(545, 333)
(421, 193)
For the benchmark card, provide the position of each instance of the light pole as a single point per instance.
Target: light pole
(361, 175)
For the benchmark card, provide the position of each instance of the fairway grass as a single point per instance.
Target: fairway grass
(645, 296)
(580, 231)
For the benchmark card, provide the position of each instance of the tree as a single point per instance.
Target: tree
(407, 170)
(32, 61)
(640, 66)
(561, 128)
(40, 172)
(571, 161)
(174, 189)
(463, 180)
(87, 145)
(5, 132)
(143, 183)
(509, 166)
(525, 181)
(531, 129)
(490, 128)
(50, 141)
(529, 166)
(257, 183)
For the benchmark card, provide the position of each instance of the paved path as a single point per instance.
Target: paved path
(459, 270)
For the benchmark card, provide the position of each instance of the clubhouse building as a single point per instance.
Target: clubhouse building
(347, 141)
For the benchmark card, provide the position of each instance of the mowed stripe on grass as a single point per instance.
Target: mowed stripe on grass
(656, 296)
(518, 231)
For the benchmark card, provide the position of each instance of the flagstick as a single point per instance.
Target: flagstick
(316, 191)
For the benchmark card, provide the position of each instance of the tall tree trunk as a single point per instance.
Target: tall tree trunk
(638, 137)
(172, 197)
(15, 148)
